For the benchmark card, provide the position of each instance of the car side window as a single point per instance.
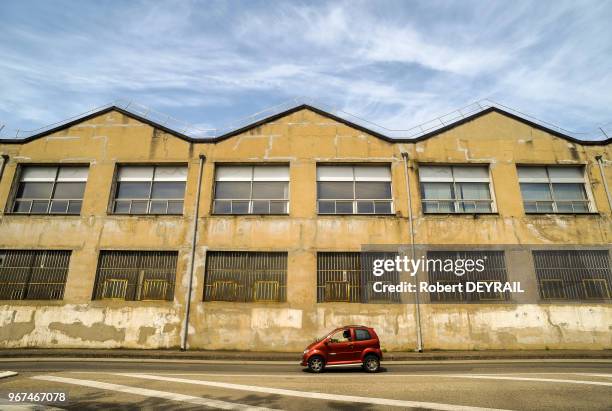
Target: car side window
(361, 335)
(341, 336)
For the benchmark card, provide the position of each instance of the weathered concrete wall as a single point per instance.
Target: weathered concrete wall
(301, 139)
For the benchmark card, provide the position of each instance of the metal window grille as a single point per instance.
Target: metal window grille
(348, 277)
(242, 276)
(33, 275)
(573, 274)
(494, 271)
(136, 275)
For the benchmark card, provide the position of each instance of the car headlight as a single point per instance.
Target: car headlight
(305, 351)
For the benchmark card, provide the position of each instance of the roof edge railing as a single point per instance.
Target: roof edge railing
(209, 133)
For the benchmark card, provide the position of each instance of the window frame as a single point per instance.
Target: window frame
(115, 185)
(100, 280)
(33, 271)
(251, 200)
(354, 181)
(17, 180)
(585, 182)
(455, 201)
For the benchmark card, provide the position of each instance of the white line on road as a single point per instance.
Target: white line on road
(5, 374)
(499, 377)
(314, 395)
(594, 375)
(151, 393)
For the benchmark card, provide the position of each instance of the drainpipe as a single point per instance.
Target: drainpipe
(419, 336)
(605, 182)
(196, 214)
(4, 158)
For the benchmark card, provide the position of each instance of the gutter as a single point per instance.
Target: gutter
(419, 336)
(605, 182)
(196, 214)
(5, 159)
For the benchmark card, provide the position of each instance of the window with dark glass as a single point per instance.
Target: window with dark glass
(354, 189)
(33, 274)
(245, 276)
(135, 275)
(573, 274)
(554, 189)
(50, 190)
(260, 189)
(455, 189)
(150, 190)
(361, 334)
(348, 277)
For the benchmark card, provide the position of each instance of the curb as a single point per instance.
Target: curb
(41, 354)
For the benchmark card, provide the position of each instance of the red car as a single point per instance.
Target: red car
(351, 344)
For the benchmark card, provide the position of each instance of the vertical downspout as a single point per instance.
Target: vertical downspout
(196, 215)
(419, 335)
(4, 158)
(605, 182)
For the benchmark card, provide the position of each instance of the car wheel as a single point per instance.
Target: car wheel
(316, 364)
(371, 363)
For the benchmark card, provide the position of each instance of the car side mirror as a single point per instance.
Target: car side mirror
(326, 342)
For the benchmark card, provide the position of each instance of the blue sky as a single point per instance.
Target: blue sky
(394, 63)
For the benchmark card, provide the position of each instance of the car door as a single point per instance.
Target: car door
(340, 347)
(361, 340)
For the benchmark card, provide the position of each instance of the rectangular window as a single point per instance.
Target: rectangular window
(554, 189)
(260, 189)
(136, 275)
(50, 189)
(573, 274)
(455, 189)
(150, 189)
(348, 277)
(354, 189)
(33, 274)
(494, 271)
(242, 276)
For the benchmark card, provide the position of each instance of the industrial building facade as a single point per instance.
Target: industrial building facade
(108, 222)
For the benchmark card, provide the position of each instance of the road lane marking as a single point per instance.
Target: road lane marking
(314, 395)
(151, 393)
(594, 375)
(5, 374)
(500, 377)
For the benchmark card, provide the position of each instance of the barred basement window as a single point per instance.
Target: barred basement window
(359, 189)
(33, 274)
(262, 189)
(494, 271)
(50, 190)
(554, 189)
(242, 276)
(347, 277)
(136, 275)
(573, 274)
(455, 189)
(150, 190)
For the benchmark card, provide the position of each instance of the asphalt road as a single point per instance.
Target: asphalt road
(444, 385)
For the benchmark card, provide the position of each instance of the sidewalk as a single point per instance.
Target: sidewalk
(283, 356)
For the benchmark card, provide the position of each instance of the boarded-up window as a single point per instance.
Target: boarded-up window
(136, 275)
(573, 274)
(33, 274)
(242, 276)
(348, 277)
(494, 271)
